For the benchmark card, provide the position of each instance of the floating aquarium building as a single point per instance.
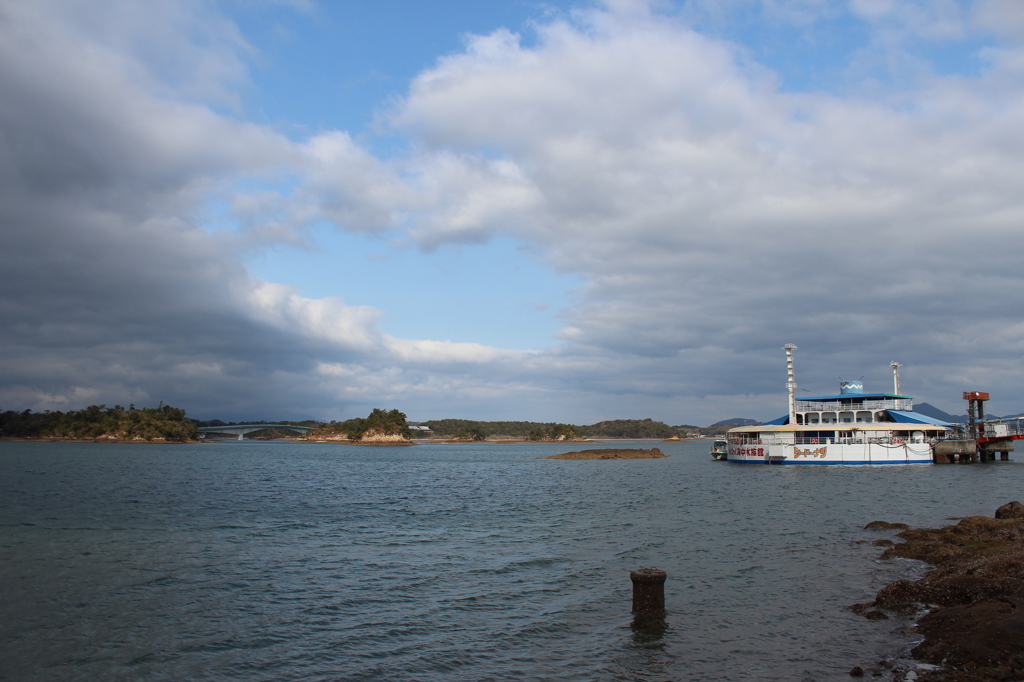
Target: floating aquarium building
(852, 427)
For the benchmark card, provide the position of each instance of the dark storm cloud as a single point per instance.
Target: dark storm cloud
(110, 291)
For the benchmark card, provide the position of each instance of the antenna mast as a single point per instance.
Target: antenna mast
(791, 381)
(895, 376)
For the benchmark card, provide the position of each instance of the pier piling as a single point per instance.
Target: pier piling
(649, 592)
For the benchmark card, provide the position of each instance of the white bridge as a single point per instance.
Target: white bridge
(241, 429)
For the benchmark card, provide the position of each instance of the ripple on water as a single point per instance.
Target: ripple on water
(278, 562)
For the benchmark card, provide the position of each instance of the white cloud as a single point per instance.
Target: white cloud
(712, 216)
(1005, 17)
(327, 319)
(466, 199)
(350, 187)
(704, 207)
(416, 352)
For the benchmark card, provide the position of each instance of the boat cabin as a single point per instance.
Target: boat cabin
(850, 417)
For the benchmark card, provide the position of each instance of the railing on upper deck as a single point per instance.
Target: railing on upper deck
(861, 438)
(867, 405)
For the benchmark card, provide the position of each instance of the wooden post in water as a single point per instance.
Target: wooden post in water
(649, 592)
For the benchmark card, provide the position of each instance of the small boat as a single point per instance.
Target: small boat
(720, 450)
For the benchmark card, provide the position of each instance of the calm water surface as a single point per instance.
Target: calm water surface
(273, 561)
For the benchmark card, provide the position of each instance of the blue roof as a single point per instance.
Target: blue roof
(862, 396)
(778, 422)
(915, 418)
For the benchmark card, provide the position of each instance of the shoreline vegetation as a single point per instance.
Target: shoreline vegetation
(969, 607)
(626, 429)
(163, 424)
(392, 428)
(379, 428)
(166, 424)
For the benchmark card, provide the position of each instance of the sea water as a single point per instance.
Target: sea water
(277, 561)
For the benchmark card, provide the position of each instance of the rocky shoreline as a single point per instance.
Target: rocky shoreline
(973, 598)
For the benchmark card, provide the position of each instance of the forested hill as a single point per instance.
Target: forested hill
(630, 428)
(451, 427)
(379, 425)
(99, 421)
(619, 428)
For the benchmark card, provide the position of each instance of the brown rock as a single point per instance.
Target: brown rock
(856, 671)
(1010, 510)
(976, 591)
(876, 615)
(984, 634)
(882, 543)
(956, 591)
(898, 593)
(885, 525)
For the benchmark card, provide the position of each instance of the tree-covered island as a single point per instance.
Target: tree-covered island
(99, 422)
(383, 427)
(465, 429)
(379, 428)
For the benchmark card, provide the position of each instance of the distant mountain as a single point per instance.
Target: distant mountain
(935, 413)
(932, 411)
(735, 421)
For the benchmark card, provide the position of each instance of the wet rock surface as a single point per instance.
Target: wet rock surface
(885, 525)
(974, 596)
(1010, 510)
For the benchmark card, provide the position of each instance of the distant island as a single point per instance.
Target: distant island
(392, 426)
(466, 429)
(379, 428)
(99, 422)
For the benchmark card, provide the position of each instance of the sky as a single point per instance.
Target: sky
(563, 211)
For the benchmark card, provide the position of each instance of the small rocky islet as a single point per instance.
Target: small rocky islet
(973, 598)
(612, 453)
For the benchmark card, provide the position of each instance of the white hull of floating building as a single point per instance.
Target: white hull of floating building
(850, 428)
(776, 447)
